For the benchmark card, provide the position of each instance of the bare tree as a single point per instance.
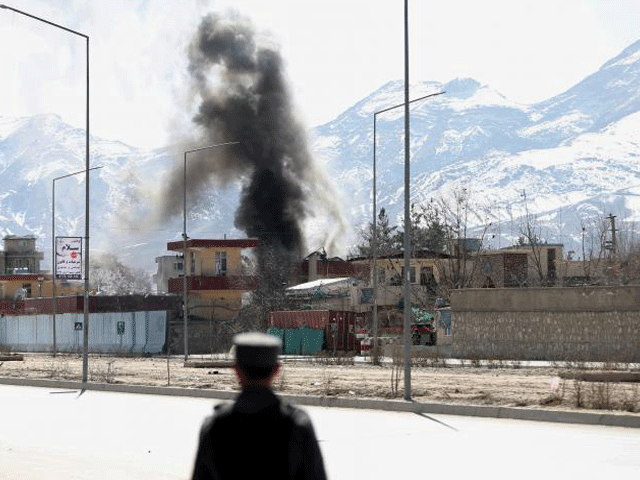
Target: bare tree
(272, 272)
(624, 253)
(594, 235)
(531, 236)
(109, 276)
(461, 266)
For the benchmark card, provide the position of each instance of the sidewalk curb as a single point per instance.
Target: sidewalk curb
(514, 413)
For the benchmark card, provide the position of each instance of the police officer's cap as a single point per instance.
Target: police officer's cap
(257, 349)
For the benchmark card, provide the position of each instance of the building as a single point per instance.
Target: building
(318, 265)
(20, 275)
(519, 266)
(169, 266)
(20, 255)
(425, 274)
(216, 276)
(344, 293)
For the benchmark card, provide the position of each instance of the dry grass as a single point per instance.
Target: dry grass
(327, 358)
(433, 379)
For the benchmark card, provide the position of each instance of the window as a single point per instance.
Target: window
(193, 264)
(426, 276)
(381, 276)
(20, 268)
(412, 274)
(27, 289)
(177, 266)
(221, 263)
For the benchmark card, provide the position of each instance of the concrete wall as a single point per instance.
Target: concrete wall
(215, 304)
(205, 336)
(144, 332)
(579, 323)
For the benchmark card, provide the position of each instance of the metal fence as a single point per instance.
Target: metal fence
(122, 332)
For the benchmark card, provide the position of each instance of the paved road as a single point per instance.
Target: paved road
(49, 434)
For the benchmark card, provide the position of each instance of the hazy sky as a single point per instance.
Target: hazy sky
(336, 52)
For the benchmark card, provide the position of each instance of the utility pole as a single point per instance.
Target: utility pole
(612, 247)
(526, 207)
(407, 214)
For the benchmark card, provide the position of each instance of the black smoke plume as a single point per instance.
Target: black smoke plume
(244, 98)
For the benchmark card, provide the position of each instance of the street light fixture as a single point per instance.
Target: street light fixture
(53, 250)
(85, 358)
(185, 308)
(374, 240)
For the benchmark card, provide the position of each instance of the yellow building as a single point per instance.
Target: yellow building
(519, 266)
(20, 275)
(216, 281)
(25, 286)
(424, 276)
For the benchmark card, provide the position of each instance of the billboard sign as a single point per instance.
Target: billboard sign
(69, 258)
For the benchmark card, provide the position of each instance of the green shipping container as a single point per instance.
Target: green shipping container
(299, 341)
(303, 341)
(276, 332)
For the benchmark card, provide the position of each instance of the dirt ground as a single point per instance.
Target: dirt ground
(491, 383)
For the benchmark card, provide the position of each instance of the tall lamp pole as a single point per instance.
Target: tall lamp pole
(374, 240)
(185, 307)
(53, 251)
(85, 358)
(407, 212)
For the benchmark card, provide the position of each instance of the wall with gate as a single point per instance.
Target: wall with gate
(125, 332)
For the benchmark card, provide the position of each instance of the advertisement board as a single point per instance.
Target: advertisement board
(68, 258)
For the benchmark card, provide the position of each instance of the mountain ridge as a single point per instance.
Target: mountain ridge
(561, 159)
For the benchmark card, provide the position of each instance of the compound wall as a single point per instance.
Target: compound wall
(124, 332)
(575, 323)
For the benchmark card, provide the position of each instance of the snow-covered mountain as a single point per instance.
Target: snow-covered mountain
(565, 159)
(123, 209)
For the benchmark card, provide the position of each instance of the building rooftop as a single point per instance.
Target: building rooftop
(322, 282)
(213, 243)
(19, 237)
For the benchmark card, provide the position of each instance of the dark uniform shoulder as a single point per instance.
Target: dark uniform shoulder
(298, 416)
(222, 409)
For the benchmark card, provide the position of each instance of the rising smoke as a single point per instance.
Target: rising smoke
(244, 97)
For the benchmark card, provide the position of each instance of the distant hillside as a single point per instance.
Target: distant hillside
(565, 160)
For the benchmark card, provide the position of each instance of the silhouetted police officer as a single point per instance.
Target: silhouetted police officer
(259, 435)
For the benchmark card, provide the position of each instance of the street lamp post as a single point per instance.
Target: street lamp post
(374, 240)
(53, 251)
(185, 308)
(407, 211)
(85, 358)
